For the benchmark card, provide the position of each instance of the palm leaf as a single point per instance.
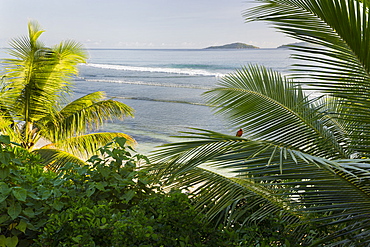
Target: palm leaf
(214, 194)
(340, 64)
(270, 107)
(54, 159)
(83, 115)
(82, 103)
(338, 194)
(86, 145)
(37, 77)
(326, 192)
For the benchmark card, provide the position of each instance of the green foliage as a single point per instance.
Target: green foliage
(113, 177)
(111, 201)
(27, 195)
(303, 157)
(115, 204)
(34, 105)
(159, 220)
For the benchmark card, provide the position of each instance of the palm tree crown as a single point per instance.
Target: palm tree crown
(34, 106)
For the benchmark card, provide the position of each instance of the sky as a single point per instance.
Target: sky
(138, 24)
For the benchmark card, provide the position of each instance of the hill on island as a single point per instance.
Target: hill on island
(297, 43)
(234, 46)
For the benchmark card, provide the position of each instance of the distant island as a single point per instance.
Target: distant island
(234, 46)
(297, 43)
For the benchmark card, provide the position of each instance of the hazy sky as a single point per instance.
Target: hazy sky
(138, 23)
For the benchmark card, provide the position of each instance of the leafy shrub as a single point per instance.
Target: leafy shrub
(26, 195)
(108, 202)
(115, 204)
(160, 220)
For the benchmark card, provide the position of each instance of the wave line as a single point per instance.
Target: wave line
(183, 71)
(163, 100)
(147, 83)
(150, 99)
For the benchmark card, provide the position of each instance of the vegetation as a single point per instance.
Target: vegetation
(303, 158)
(34, 109)
(108, 202)
(300, 171)
(233, 46)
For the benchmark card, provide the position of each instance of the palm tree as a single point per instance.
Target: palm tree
(34, 109)
(304, 156)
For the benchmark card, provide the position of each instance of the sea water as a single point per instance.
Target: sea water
(165, 87)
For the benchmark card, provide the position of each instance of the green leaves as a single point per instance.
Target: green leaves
(84, 115)
(4, 139)
(4, 171)
(271, 108)
(336, 61)
(8, 241)
(20, 193)
(14, 210)
(37, 70)
(301, 156)
(36, 84)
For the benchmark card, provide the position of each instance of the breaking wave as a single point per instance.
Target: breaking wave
(181, 71)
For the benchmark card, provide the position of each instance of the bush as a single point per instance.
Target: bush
(108, 202)
(26, 195)
(160, 220)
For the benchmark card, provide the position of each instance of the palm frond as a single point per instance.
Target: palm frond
(86, 145)
(54, 159)
(270, 107)
(337, 193)
(326, 192)
(38, 76)
(214, 194)
(332, 26)
(339, 64)
(82, 116)
(82, 103)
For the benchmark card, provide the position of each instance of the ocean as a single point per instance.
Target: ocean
(165, 87)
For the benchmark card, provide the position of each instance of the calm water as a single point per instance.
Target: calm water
(165, 87)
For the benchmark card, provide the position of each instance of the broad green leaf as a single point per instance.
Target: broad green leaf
(100, 186)
(29, 212)
(58, 182)
(14, 210)
(121, 141)
(33, 195)
(3, 198)
(105, 171)
(4, 139)
(117, 177)
(11, 241)
(77, 239)
(5, 158)
(4, 188)
(2, 241)
(3, 218)
(20, 193)
(103, 220)
(90, 191)
(58, 205)
(22, 226)
(4, 172)
(128, 195)
(46, 194)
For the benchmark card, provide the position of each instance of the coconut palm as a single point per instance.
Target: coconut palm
(302, 155)
(34, 108)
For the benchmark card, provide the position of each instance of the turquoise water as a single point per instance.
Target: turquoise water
(165, 87)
